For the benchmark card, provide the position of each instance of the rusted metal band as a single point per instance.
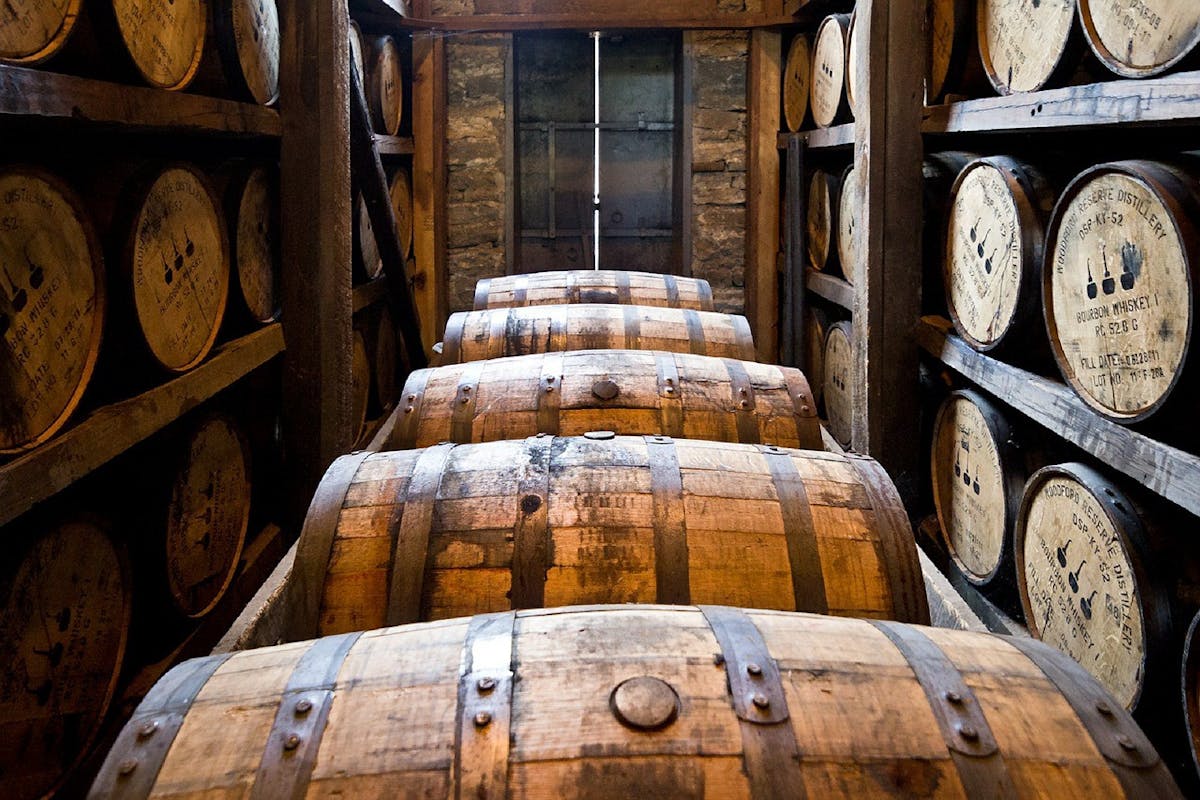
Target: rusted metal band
(462, 408)
(306, 586)
(295, 738)
(769, 747)
(498, 332)
(452, 341)
(531, 533)
(484, 716)
(808, 424)
(483, 291)
(704, 291)
(410, 527)
(697, 346)
(624, 294)
(744, 402)
(896, 541)
(804, 557)
(671, 573)
(633, 327)
(672, 291)
(977, 758)
(137, 756)
(744, 338)
(521, 291)
(670, 394)
(573, 292)
(549, 394)
(1129, 754)
(412, 400)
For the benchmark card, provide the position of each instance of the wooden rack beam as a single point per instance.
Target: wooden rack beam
(821, 138)
(394, 145)
(835, 290)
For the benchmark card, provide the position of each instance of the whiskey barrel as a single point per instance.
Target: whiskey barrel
(627, 391)
(797, 79)
(384, 84)
(954, 64)
(207, 515)
(174, 263)
(939, 171)
(1086, 585)
(499, 332)
(995, 236)
(368, 261)
(549, 521)
(1141, 39)
(816, 324)
(1025, 45)
(163, 38)
(849, 202)
(247, 34)
(52, 305)
(824, 193)
(360, 384)
(34, 31)
(599, 286)
(64, 621)
(828, 99)
(356, 52)
(384, 358)
(637, 702)
(979, 474)
(1191, 689)
(839, 377)
(401, 193)
(853, 79)
(1119, 286)
(252, 213)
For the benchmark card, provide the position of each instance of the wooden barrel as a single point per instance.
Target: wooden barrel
(368, 262)
(1085, 583)
(979, 474)
(356, 52)
(252, 211)
(384, 84)
(34, 31)
(1143, 38)
(954, 65)
(64, 622)
(598, 286)
(360, 388)
(816, 324)
(637, 702)
(824, 193)
(552, 521)
(1119, 286)
(247, 34)
(207, 515)
(849, 203)
(1027, 45)
(853, 79)
(939, 171)
(828, 99)
(995, 236)
(384, 358)
(632, 392)
(401, 193)
(796, 82)
(52, 305)
(839, 377)
(163, 38)
(1191, 689)
(499, 332)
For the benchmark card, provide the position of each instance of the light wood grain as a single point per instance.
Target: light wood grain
(1025, 45)
(34, 31)
(829, 105)
(796, 82)
(593, 286)
(1140, 39)
(164, 38)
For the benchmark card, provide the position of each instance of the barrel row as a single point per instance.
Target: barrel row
(368, 263)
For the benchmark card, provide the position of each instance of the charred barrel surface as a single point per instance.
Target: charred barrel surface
(545, 521)
(627, 391)
(637, 702)
(385, 83)
(252, 209)
(601, 286)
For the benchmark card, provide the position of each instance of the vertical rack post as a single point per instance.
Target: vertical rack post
(762, 191)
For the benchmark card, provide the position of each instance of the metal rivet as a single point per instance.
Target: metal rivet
(761, 701)
(954, 697)
(412, 398)
(549, 390)
(744, 404)
(466, 389)
(147, 729)
(466, 400)
(127, 766)
(743, 392)
(1126, 743)
(670, 390)
(719, 659)
(408, 410)
(804, 409)
(550, 379)
(485, 684)
(483, 719)
(303, 706)
(754, 669)
(670, 381)
(968, 732)
(1104, 709)
(291, 742)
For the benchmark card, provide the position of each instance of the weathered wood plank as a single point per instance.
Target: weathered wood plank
(263, 622)
(429, 185)
(947, 608)
(1163, 469)
(394, 145)
(368, 294)
(832, 288)
(388, 9)
(113, 429)
(762, 191)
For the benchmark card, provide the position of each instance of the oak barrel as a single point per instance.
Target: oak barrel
(995, 237)
(828, 92)
(34, 30)
(382, 348)
(252, 211)
(954, 64)
(356, 52)
(816, 323)
(797, 79)
(499, 332)
(1119, 285)
(1027, 45)
(594, 286)
(627, 391)
(360, 383)
(64, 622)
(548, 521)
(384, 83)
(979, 473)
(1085, 581)
(849, 202)
(838, 383)
(401, 193)
(368, 260)
(1191, 689)
(824, 194)
(163, 38)
(853, 79)
(247, 34)
(658, 702)
(1141, 38)
(52, 305)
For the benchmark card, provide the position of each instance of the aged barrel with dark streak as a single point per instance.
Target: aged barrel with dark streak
(587, 286)
(1141, 38)
(628, 391)
(549, 521)
(34, 30)
(652, 702)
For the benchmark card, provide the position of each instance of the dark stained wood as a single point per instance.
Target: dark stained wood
(394, 145)
(762, 191)
(831, 288)
(822, 138)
